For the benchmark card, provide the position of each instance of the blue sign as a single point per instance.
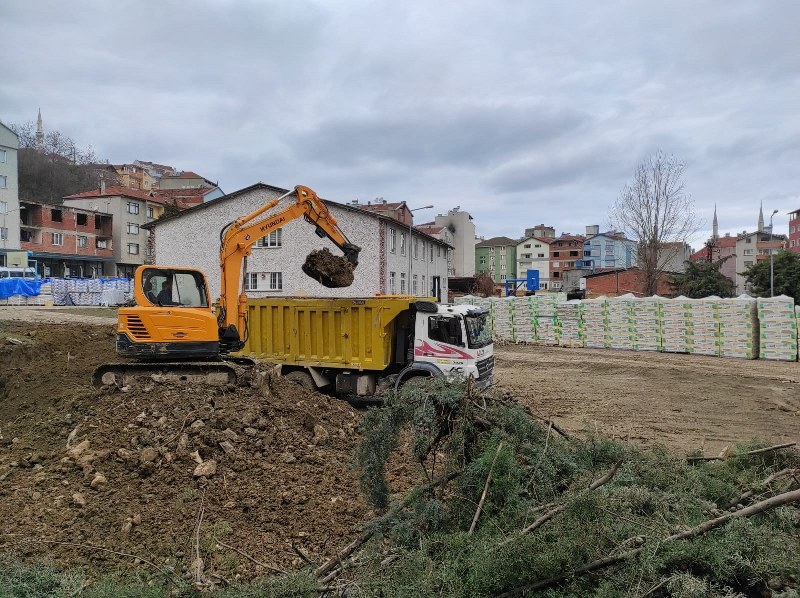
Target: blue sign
(533, 280)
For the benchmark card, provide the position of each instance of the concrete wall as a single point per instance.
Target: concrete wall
(462, 229)
(192, 239)
(9, 193)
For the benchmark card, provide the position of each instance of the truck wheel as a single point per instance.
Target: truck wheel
(304, 379)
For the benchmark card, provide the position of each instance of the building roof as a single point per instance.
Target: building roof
(264, 186)
(497, 242)
(61, 207)
(183, 198)
(430, 229)
(547, 240)
(115, 191)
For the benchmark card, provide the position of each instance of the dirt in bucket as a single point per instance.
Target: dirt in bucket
(329, 270)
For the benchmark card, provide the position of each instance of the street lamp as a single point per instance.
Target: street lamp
(771, 269)
(409, 247)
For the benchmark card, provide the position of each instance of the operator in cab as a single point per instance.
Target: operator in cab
(165, 296)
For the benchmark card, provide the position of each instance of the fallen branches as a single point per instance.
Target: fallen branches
(703, 528)
(250, 558)
(485, 491)
(760, 451)
(764, 482)
(559, 508)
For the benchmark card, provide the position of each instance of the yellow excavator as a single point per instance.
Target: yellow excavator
(172, 331)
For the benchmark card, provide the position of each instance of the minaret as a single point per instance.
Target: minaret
(39, 132)
(761, 218)
(715, 225)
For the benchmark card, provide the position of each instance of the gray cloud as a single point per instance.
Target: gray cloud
(520, 113)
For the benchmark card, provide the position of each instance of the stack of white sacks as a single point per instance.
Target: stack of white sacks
(524, 320)
(705, 326)
(544, 308)
(738, 322)
(621, 325)
(646, 313)
(778, 319)
(504, 318)
(676, 325)
(569, 323)
(596, 326)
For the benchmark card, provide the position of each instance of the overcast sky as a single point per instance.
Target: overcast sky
(520, 112)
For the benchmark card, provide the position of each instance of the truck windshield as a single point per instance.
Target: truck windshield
(478, 332)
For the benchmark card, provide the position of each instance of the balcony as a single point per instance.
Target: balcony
(585, 264)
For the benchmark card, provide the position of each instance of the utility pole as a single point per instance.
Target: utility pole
(409, 246)
(771, 268)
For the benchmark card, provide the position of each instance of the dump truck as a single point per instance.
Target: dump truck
(356, 346)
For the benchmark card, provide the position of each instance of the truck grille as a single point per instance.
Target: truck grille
(485, 367)
(137, 328)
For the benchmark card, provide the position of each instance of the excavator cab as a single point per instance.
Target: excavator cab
(172, 318)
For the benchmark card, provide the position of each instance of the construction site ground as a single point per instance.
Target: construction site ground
(82, 467)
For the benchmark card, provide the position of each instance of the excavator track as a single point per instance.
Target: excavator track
(212, 373)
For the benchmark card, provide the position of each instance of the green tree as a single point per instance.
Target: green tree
(786, 268)
(703, 280)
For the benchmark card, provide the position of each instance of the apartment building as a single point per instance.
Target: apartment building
(9, 194)
(497, 257)
(794, 231)
(66, 242)
(533, 253)
(565, 253)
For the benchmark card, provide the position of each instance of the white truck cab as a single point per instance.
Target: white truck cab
(454, 341)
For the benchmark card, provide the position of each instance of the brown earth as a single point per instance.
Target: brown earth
(118, 467)
(283, 455)
(329, 270)
(686, 402)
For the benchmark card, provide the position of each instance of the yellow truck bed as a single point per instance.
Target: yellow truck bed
(339, 333)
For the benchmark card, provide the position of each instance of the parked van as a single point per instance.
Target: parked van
(26, 273)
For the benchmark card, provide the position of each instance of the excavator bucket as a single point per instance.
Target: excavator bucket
(330, 270)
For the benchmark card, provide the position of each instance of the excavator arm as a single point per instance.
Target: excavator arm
(238, 238)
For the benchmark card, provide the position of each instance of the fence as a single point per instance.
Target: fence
(76, 291)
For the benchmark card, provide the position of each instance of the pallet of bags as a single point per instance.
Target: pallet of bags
(545, 325)
(621, 326)
(569, 316)
(524, 320)
(705, 326)
(777, 320)
(646, 313)
(738, 327)
(504, 319)
(676, 325)
(595, 324)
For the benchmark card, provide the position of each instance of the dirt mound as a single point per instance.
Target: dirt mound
(268, 464)
(329, 270)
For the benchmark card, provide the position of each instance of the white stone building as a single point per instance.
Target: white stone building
(191, 238)
(9, 194)
(533, 253)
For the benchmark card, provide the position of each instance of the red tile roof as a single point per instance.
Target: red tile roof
(114, 191)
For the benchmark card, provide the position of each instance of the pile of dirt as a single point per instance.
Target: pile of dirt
(267, 464)
(329, 270)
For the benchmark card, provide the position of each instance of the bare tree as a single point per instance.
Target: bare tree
(655, 211)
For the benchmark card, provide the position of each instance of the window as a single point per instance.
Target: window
(98, 221)
(174, 288)
(392, 240)
(150, 211)
(391, 283)
(55, 215)
(424, 289)
(556, 264)
(414, 285)
(3, 181)
(438, 252)
(528, 246)
(402, 243)
(748, 264)
(101, 244)
(402, 283)
(431, 254)
(81, 219)
(748, 252)
(251, 281)
(502, 277)
(82, 241)
(445, 330)
(2, 156)
(133, 248)
(58, 239)
(748, 240)
(556, 275)
(3, 207)
(133, 228)
(540, 255)
(3, 233)
(273, 239)
(416, 249)
(483, 260)
(133, 207)
(555, 254)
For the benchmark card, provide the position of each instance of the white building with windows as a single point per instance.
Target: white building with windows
(9, 193)
(533, 253)
(390, 262)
